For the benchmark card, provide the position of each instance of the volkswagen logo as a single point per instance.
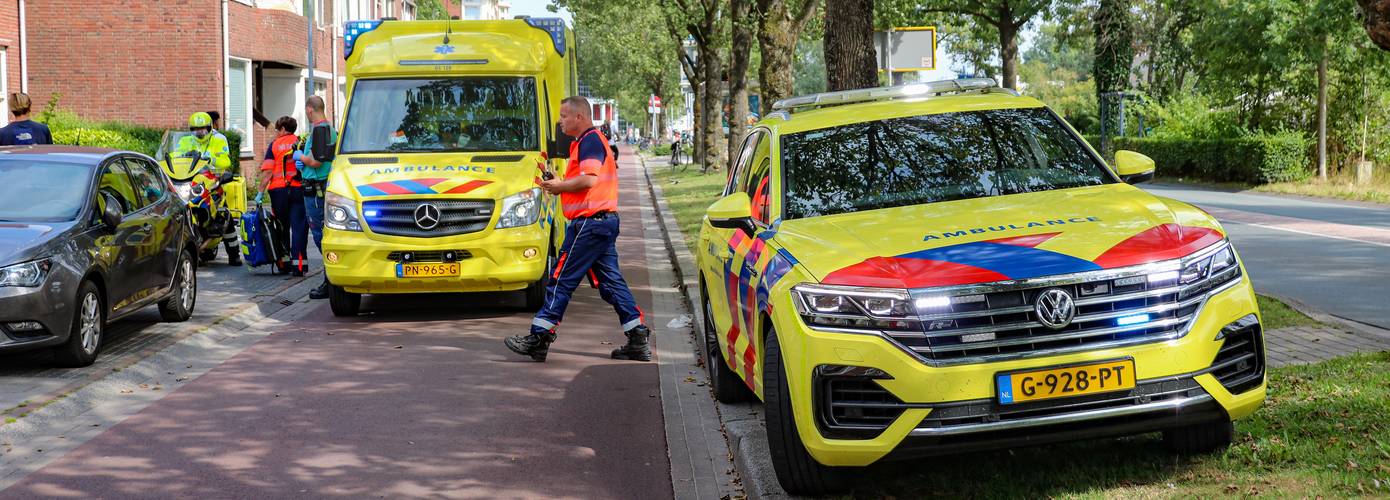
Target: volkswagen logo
(427, 217)
(1055, 308)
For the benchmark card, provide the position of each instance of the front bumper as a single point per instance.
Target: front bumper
(911, 408)
(496, 260)
(45, 304)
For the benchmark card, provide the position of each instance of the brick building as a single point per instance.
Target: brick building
(154, 62)
(11, 56)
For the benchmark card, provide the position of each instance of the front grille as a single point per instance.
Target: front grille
(997, 321)
(428, 255)
(397, 217)
(851, 404)
(1239, 365)
(987, 411)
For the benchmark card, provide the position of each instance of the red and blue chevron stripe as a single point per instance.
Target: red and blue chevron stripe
(419, 186)
(1017, 258)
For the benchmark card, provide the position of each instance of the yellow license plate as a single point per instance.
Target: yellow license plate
(446, 270)
(1048, 383)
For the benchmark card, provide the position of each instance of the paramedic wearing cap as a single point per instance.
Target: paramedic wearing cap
(589, 198)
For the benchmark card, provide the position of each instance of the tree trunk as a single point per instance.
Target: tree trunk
(1377, 21)
(1008, 53)
(697, 122)
(740, 44)
(713, 126)
(849, 45)
(778, 33)
(1322, 112)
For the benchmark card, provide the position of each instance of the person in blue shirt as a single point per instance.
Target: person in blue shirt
(23, 131)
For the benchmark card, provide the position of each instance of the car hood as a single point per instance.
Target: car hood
(449, 175)
(997, 238)
(19, 240)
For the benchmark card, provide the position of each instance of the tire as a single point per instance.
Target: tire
(208, 255)
(343, 302)
(797, 471)
(1200, 438)
(179, 307)
(85, 333)
(727, 386)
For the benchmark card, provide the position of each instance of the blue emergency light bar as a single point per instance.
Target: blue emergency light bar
(554, 26)
(354, 29)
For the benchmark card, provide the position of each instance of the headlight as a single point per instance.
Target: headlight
(1208, 269)
(856, 308)
(521, 209)
(340, 212)
(184, 190)
(28, 274)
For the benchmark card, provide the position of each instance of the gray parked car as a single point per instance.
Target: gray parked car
(87, 236)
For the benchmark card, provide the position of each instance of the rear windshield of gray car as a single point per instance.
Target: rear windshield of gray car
(932, 158)
(38, 191)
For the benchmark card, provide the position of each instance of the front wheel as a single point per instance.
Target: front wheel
(797, 471)
(343, 302)
(179, 307)
(84, 335)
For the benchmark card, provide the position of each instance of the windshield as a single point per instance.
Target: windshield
(40, 191)
(448, 114)
(932, 158)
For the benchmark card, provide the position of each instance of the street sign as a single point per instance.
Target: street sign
(908, 49)
(654, 101)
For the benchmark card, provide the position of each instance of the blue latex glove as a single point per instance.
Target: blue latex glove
(298, 157)
(299, 165)
(260, 197)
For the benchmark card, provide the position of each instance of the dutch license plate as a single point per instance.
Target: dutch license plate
(1048, 383)
(445, 270)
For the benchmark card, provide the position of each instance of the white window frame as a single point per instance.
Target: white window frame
(249, 137)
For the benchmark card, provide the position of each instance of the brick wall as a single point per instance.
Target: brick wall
(9, 40)
(144, 61)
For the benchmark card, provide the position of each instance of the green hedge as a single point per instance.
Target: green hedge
(661, 150)
(69, 129)
(1255, 159)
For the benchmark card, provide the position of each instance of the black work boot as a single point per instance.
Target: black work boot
(233, 256)
(637, 348)
(535, 345)
(321, 292)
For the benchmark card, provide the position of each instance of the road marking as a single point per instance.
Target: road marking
(1331, 230)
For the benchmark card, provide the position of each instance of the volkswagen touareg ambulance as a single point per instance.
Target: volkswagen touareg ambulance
(936, 268)
(434, 187)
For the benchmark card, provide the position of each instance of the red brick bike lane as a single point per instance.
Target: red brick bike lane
(419, 398)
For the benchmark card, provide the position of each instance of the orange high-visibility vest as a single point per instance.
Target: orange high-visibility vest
(281, 165)
(603, 197)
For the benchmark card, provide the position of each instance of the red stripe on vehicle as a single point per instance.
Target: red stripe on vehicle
(1168, 241)
(750, 356)
(898, 272)
(1029, 241)
(464, 188)
(430, 182)
(391, 188)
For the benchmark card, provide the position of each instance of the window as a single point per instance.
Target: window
(149, 181)
(932, 158)
(447, 114)
(239, 100)
(42, 191)
(739, 172)
(314, 8)
(758, 183)
(408, 11)
(115, 185)
(472, 12)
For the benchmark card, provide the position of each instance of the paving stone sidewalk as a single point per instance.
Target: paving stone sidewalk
(1303, 345)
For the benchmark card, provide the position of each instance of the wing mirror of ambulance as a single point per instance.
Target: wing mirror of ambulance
(559, 144)
(1133, 167)
(732, 212)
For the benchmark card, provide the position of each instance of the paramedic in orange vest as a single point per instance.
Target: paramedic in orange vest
(589, 198)
(283, 182)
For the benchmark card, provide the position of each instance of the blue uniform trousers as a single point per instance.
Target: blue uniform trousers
(590, 250)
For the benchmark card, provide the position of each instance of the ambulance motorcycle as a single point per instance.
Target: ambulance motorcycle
(216, 202)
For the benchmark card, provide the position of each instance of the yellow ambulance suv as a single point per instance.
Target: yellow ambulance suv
(944, 267)
(435, 184)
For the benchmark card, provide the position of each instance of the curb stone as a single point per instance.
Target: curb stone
(743, 424)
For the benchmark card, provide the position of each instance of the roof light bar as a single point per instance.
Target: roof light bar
(889, 93)
(354, 29)
(553, 26)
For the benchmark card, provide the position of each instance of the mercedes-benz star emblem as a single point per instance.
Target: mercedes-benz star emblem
(426, 216)
(1055, 308)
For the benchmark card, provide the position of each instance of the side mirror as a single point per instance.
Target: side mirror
(1133, 167)
(560, 145)
(110, 213)
(732, 212)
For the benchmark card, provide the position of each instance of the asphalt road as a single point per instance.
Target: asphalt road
(418, 399)
(1330, 255)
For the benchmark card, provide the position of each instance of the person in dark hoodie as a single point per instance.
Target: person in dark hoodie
(23, 131)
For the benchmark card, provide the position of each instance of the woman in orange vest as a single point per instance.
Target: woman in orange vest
(283, 182)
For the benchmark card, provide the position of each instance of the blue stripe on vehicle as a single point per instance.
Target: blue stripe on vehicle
(368, 190)
(415, 187)
(1014, 261)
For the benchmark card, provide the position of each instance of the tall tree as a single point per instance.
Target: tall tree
(1377, 18)
(624, 64)
(431, 10)
(1114, 54)
(701, 21)
(849, 45)
(742, 26)
(780, 23)
(1006, 16)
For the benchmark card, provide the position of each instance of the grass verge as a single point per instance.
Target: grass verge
(689, 193)
(1275, 314)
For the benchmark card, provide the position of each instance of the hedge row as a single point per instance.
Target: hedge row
(1256, 159)
(68, 129)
